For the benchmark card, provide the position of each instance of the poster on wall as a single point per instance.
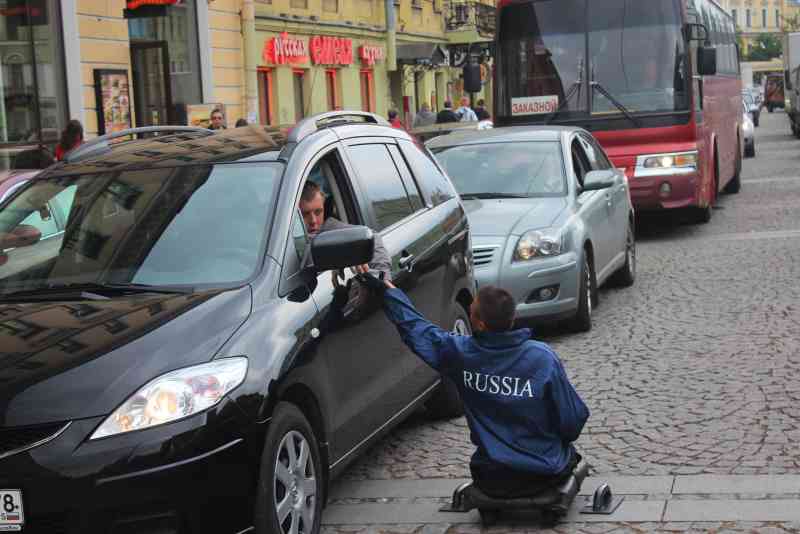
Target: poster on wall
(113, 100)
(199, 115)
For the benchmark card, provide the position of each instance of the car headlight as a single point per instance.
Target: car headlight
(175, 395)
(538, 244)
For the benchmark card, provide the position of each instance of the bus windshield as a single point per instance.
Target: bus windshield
(630, 50)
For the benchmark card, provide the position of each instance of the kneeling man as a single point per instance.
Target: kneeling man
(522, 411)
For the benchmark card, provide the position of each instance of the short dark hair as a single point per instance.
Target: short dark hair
(448, 104)
(496, 308)
(217, 110)
(310, 191)
(241, 122)
(392, 114)
(481, 102)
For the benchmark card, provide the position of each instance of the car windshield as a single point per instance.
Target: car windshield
(188, 226)
(505, 169)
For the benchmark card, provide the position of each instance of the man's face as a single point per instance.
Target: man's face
(465, 102)
(216, 120)
(313, 214)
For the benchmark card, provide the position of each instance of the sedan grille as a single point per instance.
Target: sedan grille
(21, 438)
(483, 255)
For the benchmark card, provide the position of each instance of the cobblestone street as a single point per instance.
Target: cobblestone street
(693, 370)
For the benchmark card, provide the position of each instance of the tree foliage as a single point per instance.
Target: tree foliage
(765, 47)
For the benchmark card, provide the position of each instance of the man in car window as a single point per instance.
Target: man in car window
(312, 207)
(523, 413)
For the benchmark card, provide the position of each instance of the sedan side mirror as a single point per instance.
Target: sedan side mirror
(597, 180)
(337, 249)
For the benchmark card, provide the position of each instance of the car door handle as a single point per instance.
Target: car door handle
(407, 262)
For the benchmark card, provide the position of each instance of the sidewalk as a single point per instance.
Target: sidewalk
(737, 503)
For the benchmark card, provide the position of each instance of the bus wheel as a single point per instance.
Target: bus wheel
(735, 185)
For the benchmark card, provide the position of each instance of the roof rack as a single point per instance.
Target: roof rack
(100, 145)
(307, 126)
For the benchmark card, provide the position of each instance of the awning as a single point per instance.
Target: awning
(422, 54)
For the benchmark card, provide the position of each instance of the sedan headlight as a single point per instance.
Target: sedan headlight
(175, 395)
(538, 244)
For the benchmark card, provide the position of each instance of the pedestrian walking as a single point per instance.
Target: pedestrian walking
(71, 137)
(424, 117)
(447, 114)
(481, 112)
(465, 112)
(217, 120)
(395, 121)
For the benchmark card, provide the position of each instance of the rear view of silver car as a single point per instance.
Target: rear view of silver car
(551, 219)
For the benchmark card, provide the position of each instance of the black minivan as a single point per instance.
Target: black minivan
(180, 356)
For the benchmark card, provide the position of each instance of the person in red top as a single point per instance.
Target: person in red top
(71, 137)
(394, 121)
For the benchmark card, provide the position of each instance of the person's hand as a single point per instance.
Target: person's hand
(360, 269)
(373, 283)
(389, 284)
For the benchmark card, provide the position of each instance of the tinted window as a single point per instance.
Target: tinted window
(513, 169)
(408, 180)
(428, 174)
(381, 183)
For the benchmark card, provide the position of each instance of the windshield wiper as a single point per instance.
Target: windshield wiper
(90, 291)
(596, 86)
(576, 86)
(489, 196)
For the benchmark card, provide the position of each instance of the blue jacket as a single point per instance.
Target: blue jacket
(522, 411)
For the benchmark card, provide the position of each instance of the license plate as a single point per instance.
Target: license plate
(11, 515)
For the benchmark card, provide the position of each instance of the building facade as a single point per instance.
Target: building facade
(114, 64)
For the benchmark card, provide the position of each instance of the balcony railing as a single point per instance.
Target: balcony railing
(470, 14)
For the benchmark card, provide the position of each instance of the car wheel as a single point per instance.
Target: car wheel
(755, 120)
(290, 487)
(583, 317)
(446, 403)
(626, 275)
(750, 150)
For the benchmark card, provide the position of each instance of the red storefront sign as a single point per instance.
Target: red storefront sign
(284, 49)
(134, 4)
(326, 50)
(370, 54)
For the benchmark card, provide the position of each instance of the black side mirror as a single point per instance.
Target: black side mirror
(337, 249)
(696, 32)
(706, 61)
(597, 180)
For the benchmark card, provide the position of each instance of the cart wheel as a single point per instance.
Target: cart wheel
(488, 517)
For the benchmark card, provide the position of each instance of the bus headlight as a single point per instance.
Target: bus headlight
(664, 164)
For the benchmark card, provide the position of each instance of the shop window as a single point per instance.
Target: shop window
(33, 99)
(265, 96)
(367, 91)
(299, 4)
(763, 18)
(331, 84)
(330, 6)
(299, 94)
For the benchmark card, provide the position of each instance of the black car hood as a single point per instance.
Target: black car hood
(61, 361)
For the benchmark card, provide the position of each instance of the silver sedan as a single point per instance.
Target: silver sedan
(551, 219)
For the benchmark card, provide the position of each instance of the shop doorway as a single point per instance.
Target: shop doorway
(151, 83)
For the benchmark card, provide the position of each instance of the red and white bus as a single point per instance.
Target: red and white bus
(656, 81)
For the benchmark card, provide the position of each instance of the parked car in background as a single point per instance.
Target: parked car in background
(426, 133)
(551, 219)
(186, 358)
(748, 133)
(753, 108)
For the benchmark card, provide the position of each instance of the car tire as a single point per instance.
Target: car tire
(446, 403)
(750, 150)
(755, 119)
(582, 322)
(625, 276)
(288, 488)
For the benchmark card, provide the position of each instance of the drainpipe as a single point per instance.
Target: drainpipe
(391, 36)
(251, 60)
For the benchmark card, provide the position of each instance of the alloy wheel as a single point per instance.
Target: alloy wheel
(295, 485)
(588, 288)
